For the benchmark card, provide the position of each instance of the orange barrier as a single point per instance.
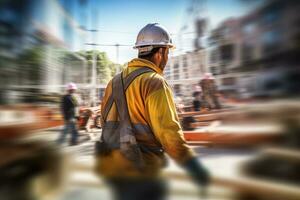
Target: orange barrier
(230, 138)
(207, 117)
(203, 111)
(42, 118)
(199, 124)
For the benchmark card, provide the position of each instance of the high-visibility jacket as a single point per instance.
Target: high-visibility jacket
(152, 110)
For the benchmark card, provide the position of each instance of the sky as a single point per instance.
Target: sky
(119, 21)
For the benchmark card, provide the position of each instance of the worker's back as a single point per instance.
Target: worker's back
(148, 119)
(140, 124)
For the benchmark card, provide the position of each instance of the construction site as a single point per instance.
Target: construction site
(246, 131)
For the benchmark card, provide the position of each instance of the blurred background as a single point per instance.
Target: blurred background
(235, 75)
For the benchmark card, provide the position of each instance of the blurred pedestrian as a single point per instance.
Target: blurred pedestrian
(140, 125)
(69, 108)
(179, 104)
(210, 92)
(197, 101)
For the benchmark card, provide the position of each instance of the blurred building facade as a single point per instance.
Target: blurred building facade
(184, 71)
(37, 38)
(257, 53)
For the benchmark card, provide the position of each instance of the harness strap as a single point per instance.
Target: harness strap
(119, 86)
(119, 97)
(127, 81)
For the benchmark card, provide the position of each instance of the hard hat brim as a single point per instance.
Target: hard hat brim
(170, 45)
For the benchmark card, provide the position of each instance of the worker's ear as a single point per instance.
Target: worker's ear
(161, 51)
(158, 55)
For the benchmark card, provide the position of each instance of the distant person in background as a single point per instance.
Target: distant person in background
(179, 105)
(197, 101)
(69, 110)
(210, 91)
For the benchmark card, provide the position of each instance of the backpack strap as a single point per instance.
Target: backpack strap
(127, 81)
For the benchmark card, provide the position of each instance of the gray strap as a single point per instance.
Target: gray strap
(119, 97)
(127, 81)
(135, 74)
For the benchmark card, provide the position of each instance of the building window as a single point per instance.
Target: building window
(272, 15)
(226, 52)
(271, 37)
(226, 31)
(176, 71)
(271, 41)
(247, 52)
(213, 56)
(186, 75)
(214, 70)
(167, 72)
(177, 90)
(185, 64)
(228, 81)
(249, 28)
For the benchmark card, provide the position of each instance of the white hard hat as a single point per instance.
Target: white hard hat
(71, 86)
(152, 35)
(208, 76)
(197, 88)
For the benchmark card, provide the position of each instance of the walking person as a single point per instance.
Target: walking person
(69, 108)
(209, 89)
(197, 101)
(140, 125)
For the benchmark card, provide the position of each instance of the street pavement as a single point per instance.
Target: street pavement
(82, 183)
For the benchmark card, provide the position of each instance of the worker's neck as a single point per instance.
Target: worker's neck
(156, 62)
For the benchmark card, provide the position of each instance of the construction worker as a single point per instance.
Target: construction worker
(140, 124)
(69, 110)
(197, 101)
(210, 91)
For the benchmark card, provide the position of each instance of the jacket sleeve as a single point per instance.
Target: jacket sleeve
(163, 119)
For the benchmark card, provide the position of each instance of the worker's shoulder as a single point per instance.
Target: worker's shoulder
(151, 75)
(152, 78)
(151, 82)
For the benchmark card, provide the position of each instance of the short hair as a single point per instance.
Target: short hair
(150, 54)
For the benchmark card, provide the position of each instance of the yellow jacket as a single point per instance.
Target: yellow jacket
(150, 104)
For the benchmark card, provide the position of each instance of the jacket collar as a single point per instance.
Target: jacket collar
(138, 62)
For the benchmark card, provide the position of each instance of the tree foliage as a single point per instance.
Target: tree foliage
(30, 62)
(106, 69)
